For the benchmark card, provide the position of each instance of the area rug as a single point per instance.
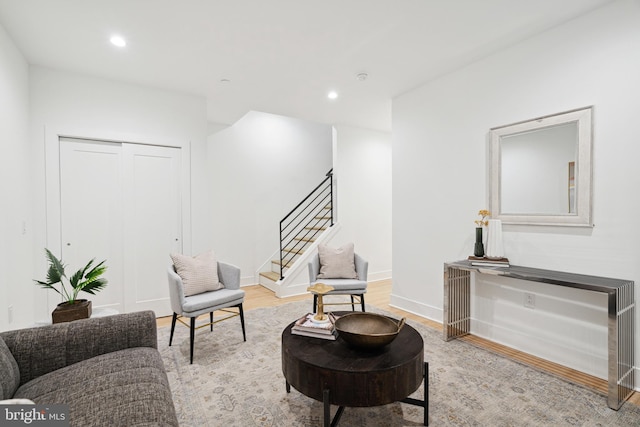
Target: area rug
(237, 383)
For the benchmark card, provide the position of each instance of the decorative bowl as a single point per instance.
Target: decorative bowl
(368, 331)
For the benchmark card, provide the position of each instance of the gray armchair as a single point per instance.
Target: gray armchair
(352, 287)
(208, 302)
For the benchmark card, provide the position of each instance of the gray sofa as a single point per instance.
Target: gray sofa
(107, 369)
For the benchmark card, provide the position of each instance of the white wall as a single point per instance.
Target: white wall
(16, 184)
(363, 175)
(440, 182)
(67, 103)
(259, 169)
(362, 190)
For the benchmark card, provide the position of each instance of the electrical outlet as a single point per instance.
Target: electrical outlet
(529, 300)
(10, 310)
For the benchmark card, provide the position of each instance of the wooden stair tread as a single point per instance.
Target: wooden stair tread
(286, 263)
(293, 251)
(271, 275)
(305, 239)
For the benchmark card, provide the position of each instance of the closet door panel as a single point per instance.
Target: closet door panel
(153, 224)
(91, 214)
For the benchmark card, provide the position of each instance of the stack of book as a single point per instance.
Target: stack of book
(489, 262)
(307, 327)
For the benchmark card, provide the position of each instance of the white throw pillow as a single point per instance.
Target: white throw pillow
(199, 274)
(337, 263)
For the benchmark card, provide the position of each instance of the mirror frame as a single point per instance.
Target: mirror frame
(583, 179)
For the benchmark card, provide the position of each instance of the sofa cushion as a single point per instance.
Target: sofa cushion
(337, 263)
(45, 349)
(127, 387)
(199, 274)
(209, 300)
(9, 372)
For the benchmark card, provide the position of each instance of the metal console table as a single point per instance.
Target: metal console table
(621, 307)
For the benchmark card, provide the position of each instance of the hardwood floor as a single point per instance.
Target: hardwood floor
(379, 295)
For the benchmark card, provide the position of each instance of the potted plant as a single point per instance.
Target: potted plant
(86, 279)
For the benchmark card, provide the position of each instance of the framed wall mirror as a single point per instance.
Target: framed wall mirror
(540, 170)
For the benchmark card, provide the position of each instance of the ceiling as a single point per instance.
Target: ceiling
(280, 56)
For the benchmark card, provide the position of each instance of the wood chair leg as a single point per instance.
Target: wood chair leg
(211, 321)
(362, 301)
(173, 327)
(244, 334)
(192, 333)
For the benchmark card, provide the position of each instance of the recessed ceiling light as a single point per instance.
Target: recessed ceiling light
(332, 95)
(118, 41)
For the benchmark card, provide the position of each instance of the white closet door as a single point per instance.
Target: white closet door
(91, 214)
(122, 203)
(152, 207)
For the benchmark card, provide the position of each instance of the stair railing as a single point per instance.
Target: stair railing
(308, 219)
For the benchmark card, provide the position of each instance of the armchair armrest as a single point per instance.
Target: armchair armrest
(176, 290)
(362, 267)
(314, 268)
(45, 349)
(229, 275)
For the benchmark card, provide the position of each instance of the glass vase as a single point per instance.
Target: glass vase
(478, 248)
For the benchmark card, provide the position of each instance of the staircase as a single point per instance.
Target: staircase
(300, 243)
(300, 230)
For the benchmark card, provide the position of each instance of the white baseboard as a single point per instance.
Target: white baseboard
(417, 308)
(379, 275)
(248, 281)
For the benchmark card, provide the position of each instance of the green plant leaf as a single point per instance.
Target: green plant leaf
(86, 279)
(97, 271)
(56, 268)
(93, 282)
(47, 285)
(76, 279)
(95, 286)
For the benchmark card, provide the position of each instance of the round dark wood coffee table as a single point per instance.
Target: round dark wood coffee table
(334, 373)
